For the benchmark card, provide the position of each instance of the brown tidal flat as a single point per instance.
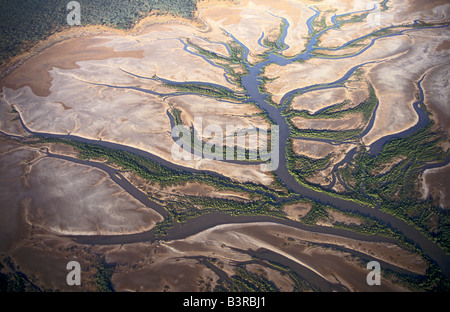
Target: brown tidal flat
(300, 246)
(73, 200)
(35, 71)
(102, 86)
(348, 122)
(435, 185)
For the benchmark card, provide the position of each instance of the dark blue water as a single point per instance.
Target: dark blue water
(251, 83)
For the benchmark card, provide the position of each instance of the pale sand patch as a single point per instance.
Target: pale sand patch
(312, 149)
(73, 200)
(435, 185)
(324, 177)
(319, 71)
(126, 116)
(213, 112)
(337, 37)
(98, 113)
(355, 91)
(399, 12)
(281, 280)
(80, 200)
(347, 122)
(173, 192)
(316, 149)
(346, 51)
(436, 86)
(336, 216)
(198, 189)
(249, 19)
(344, 6)
(316, 100)
(217, 48)
(265, 233)
(445, 45)
(44, 259)
(426, 9)
(13, 167)
(130, 253)
(9, 122)
(171, 275)
(240, 22)
(212, 118)
(163, 52)
(275, 238)
(62, 149)
(388, 166)
(297, 211)
(35, 71)
(395, 83)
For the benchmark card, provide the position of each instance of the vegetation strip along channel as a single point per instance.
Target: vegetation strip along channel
(136, 160)
(345, 203)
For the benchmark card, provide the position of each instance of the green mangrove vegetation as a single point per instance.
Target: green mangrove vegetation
(244, 280)
(153, 171)
(320, 213)
(276, 45)
(103, 276)
(366, 108)
(200, 146)
(232, 64)
(261, 202)
(396, 190)
(432, 280)
(214, 91)
(23, 23)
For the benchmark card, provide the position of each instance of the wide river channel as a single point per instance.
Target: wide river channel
(251, 83)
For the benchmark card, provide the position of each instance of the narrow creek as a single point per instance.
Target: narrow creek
(251, 83)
